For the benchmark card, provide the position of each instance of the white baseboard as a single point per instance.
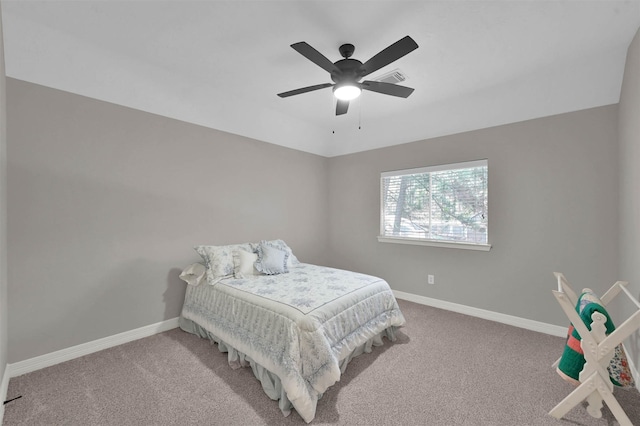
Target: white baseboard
(554, 330)
(37, 363)
(47, 360)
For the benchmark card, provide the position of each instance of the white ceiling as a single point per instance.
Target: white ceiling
(220, 64)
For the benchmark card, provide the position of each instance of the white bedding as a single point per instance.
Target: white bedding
(298, 325)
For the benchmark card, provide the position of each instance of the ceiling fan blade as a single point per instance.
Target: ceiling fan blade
(342, 107)
(316, 57)
(387, 88)
(392, 53)
(304, 90)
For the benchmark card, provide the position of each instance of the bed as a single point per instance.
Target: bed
(296, 325)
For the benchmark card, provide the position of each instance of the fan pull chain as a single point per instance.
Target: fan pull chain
(335, 117)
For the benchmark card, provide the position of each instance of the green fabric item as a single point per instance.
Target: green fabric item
(572, 361)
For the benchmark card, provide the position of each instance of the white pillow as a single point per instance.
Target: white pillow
(219, 260)
(243, 264)
(193, 274)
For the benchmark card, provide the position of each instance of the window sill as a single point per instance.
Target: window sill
(433, 243)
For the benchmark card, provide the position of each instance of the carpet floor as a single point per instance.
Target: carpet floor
(444, 369)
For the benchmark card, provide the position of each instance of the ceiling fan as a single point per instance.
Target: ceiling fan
(347, 73)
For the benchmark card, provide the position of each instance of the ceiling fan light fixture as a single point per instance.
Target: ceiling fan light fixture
(346, 92)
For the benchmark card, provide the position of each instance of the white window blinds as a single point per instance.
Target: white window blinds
(447, 203)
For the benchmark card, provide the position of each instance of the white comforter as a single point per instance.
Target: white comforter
(298, 325)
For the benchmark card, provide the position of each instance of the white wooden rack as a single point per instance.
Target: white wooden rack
(598, 347)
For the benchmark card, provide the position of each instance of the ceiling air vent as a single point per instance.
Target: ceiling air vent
(393, 77)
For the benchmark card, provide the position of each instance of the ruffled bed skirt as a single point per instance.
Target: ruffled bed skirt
(271, 382)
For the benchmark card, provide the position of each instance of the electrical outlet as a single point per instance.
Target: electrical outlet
(431, 279)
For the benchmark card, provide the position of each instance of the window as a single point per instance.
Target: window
(439, 205)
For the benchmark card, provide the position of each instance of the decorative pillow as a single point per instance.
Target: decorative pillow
(193, 274)
(243, 264)
(293, 260)
(219, 260)
(271, 260)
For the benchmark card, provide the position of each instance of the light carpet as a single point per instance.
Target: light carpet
(445, 369)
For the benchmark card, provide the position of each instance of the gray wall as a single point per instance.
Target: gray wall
(106, 203)
(629, 134)
(3, 212)
(552, 207)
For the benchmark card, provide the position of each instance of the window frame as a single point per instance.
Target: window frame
(424, 241)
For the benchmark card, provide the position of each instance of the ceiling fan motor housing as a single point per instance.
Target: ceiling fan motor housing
(349, 68)
(349, 71)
